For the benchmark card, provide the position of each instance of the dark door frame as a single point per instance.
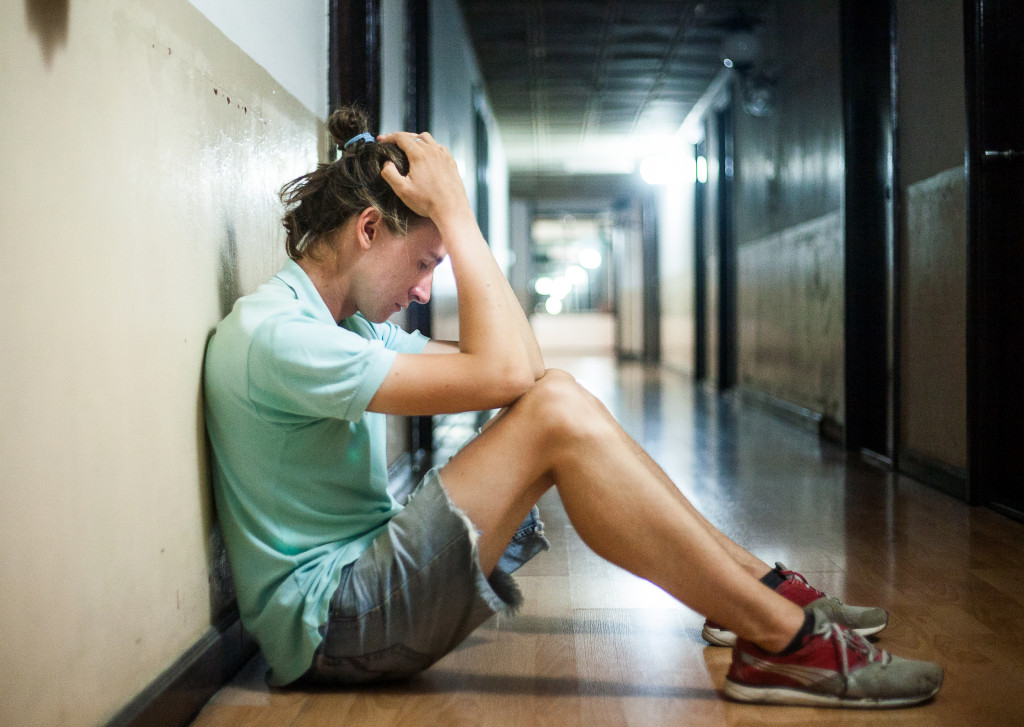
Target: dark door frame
(418, 118)
(995, 262)
(870, 274)
(354, 53)
(700, 287)
(482, 154)
(727, 257)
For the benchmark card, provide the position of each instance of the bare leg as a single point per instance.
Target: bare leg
(617, 500)
(749, 562)
(752, 564)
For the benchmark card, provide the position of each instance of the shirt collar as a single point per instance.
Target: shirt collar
(295, 278)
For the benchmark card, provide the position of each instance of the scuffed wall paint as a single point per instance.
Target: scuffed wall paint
(790, 315)
(934, 318)
(142, 155)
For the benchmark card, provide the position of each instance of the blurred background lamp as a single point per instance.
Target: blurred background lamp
(590, 258)
(561, 288)
(553, 306)
(576, 275)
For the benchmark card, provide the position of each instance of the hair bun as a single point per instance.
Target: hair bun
(347, 122)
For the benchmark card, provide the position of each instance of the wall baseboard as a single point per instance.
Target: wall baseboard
(931, 472)
(1009, 512)
(941, 476)
(812, 421)
(178, 695)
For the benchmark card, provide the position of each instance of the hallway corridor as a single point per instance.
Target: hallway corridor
(595, 646)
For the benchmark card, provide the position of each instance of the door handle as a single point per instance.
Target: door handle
(1004, 154)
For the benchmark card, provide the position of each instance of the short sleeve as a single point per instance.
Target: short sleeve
(393, 337)
(302, 367)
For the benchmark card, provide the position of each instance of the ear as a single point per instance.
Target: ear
(368, 226)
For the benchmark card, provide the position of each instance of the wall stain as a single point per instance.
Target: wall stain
(223, 596)
(228, 287)
(48, 19)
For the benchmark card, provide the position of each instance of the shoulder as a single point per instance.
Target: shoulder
(293, 335)
(390, 334)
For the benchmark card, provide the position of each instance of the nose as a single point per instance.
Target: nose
(421, 291)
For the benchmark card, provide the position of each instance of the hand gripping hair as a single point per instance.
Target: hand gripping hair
(318, 203)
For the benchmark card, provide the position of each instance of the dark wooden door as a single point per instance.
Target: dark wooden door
(995, 323)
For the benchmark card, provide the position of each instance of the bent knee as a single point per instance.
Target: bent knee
(557, 377)
(558, 388)
(562, 407)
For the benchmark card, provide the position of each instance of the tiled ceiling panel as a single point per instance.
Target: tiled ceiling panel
(570, 79)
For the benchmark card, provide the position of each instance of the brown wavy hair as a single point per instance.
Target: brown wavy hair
(320, 202)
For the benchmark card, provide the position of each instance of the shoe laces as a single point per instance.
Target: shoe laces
(847, 641)
(792, 575)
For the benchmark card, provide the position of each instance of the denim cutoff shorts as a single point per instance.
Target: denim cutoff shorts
(417, 592)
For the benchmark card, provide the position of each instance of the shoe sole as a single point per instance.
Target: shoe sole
(798, 698)
(722, 637)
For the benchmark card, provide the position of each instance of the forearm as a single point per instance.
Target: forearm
(527, 336)
(498, 351)
(491, 321)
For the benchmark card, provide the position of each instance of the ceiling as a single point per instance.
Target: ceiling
(574, 83)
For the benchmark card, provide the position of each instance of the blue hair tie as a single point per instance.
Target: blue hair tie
(368, 138)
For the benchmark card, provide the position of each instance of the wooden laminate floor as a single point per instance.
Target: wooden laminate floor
(594, 645)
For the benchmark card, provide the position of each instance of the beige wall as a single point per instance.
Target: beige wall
(142, 151)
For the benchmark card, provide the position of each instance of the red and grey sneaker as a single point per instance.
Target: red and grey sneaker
(863, 620)
(834, 667)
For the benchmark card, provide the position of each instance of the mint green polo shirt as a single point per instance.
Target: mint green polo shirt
(300, 466)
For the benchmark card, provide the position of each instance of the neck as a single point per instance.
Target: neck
(332, 283)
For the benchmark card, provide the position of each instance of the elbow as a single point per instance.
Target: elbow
(515, 382)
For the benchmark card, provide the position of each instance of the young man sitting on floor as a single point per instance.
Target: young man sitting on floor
(339, 582)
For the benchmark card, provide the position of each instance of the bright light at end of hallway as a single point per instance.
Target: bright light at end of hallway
(590, 258)
(658, 170)
(668, 166)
